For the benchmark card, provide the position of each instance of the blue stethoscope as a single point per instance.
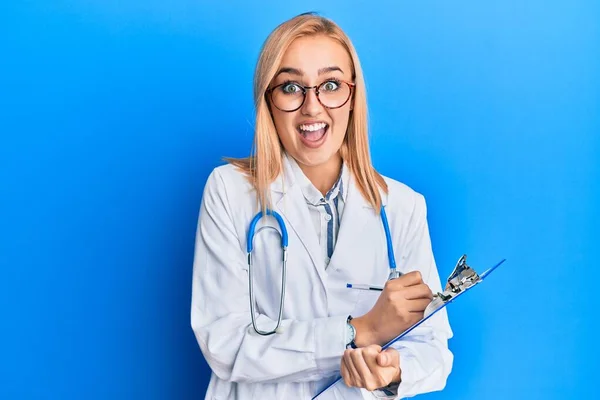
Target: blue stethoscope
(284, 244)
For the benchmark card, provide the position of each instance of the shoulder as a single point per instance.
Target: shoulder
(403, 200)
(227, 177)
(402, 195)
(227, 183)
(407, 214)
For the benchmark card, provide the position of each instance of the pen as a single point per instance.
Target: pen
(363, 287)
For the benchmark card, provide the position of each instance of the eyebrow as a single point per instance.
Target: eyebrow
(299, 72)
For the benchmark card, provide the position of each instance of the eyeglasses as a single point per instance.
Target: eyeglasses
(290, 96)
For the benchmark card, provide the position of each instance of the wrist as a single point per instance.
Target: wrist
(364, 335)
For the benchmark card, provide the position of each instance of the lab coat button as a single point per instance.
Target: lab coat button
(327, 217)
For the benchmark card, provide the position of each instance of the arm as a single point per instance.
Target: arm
(220, 311)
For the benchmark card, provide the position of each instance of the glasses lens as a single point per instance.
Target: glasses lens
(333, 93)
(287, 97)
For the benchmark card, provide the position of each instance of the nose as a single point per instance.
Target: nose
(311, 106)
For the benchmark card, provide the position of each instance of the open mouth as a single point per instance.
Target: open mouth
(312, 134)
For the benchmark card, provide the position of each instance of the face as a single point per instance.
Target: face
(313, 133)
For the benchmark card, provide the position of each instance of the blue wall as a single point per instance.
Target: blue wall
(113, 113)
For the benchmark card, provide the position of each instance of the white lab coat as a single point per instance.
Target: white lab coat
(299, 362)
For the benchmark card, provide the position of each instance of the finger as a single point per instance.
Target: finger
(388, 358)
(369, 355)
(406, 280)
(411, 278)
(354, 375)
(358, 361)
(346, 374)
(371, 361)
(417, 305)
(369, 370)
(421, 291)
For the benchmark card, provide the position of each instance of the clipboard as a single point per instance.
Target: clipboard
(461, 280)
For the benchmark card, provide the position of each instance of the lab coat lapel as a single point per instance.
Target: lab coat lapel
(358, 218)
(290, 203)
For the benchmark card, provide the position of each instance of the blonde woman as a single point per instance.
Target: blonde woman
(311, 174)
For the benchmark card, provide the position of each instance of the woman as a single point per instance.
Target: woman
(311, 165)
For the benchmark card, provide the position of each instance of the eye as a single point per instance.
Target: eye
(330, 86)
(291, 88)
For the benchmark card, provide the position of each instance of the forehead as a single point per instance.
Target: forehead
(311, 53)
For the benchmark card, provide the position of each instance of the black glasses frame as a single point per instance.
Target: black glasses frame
(269, 92)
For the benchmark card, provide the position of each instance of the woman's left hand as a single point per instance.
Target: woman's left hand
(370, 368)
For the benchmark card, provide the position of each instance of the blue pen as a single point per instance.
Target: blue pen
(363, 287)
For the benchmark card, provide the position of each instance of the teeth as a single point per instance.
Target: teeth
(313, 127)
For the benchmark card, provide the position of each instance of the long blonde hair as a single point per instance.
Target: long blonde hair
(265, 164)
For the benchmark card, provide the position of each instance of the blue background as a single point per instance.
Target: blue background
(113, 113)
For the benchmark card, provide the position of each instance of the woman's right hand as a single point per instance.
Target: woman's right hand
(400, 305)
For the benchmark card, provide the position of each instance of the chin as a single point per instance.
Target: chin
(315, 158)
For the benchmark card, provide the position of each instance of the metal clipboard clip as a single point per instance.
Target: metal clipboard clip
(462, 278)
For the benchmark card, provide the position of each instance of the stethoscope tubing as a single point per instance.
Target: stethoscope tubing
(252, 233)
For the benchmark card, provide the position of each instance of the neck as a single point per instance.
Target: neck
(324, 175)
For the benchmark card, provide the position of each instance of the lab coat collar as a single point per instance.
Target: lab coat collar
(311, 193)
(287, 179)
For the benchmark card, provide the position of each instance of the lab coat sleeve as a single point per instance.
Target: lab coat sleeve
(220, 311)
(425, 359)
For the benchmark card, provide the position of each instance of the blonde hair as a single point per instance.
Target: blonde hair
(265, 165)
